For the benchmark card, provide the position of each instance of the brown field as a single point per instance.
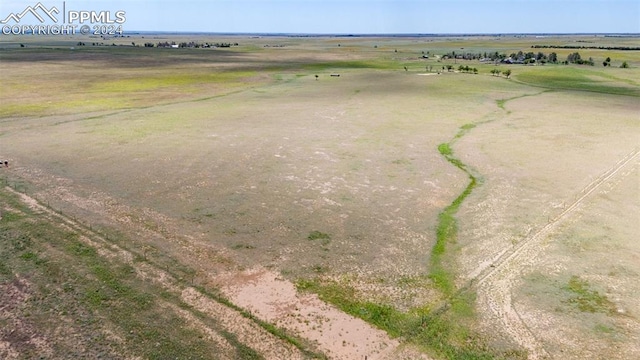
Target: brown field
(266, 209)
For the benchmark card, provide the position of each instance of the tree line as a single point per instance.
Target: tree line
(528, 58)
(518, 58)
(191, 44)
(622, 48)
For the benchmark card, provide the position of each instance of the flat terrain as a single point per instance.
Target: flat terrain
(268, 208)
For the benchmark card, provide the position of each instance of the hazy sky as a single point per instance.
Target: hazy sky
(364, 16)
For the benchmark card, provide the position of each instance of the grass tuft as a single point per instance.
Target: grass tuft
(315, 235)
(587, 299)
(324, 238)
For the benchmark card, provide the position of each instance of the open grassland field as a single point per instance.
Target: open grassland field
(243, 203)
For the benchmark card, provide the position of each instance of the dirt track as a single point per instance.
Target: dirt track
(494, 283)
(266, 295)
(248, 332)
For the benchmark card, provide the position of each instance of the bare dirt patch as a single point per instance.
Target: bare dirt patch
(277, 301)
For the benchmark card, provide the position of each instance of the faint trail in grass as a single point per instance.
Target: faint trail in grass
(494, 283)
(237, 325)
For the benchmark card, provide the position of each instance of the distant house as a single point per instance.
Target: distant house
(509, 60)
(175, 46)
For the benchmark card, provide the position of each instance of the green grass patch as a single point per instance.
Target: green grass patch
(447, 228)
(22, 109)
(323, 238)
(442, 335)
(604, 329)
(581, 79)
(28, 256)
(315, 235)
(586, 299)
(168, 79)
(80, 249)
(445, 149)
(377, 64)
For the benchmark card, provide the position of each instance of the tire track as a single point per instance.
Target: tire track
(495, 282)
(230, 320)
(306, 317)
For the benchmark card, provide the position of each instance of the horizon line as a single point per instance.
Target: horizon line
(169, 32)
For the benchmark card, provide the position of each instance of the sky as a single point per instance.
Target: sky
(362, 16)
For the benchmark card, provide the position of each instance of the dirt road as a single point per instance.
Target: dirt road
(495, 282)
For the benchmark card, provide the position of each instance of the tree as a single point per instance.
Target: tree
(624, 65)
(507, 73)
(574, 58)
(316, 77)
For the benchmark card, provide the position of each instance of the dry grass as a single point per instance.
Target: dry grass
(221, 160)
